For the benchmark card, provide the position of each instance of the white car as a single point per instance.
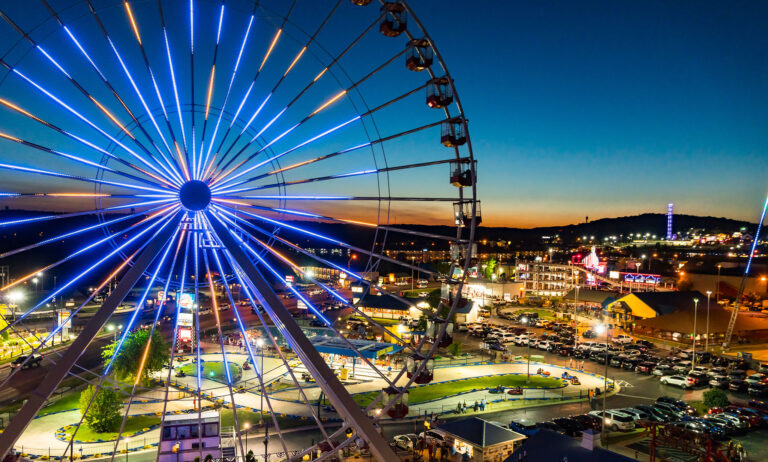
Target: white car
(405, 442)
(507, 337)
(622, 339)
(521, 341)
(616, 420)
(677, 380)
(756, 378)
(682, 367)
(543, 345)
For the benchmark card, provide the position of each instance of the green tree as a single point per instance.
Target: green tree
(433, 298)
(454, 348)
(489, 267)
(715, 398)
(129, 357)
(104, 413)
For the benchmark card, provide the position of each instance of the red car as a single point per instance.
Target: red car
(745, 414)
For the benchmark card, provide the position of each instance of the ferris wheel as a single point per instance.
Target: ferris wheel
(252, 163)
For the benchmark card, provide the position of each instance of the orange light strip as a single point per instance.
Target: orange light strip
(295, 60)
(320, 75)
(111, 117)
(221, 176)
(9, 137)
(331, 101)
(271, 47)
(133, 22)
(210, 92)
(149, 341)
(228, 201)
(17, 108)
(209, 168)
(74, 195)
(181, 159)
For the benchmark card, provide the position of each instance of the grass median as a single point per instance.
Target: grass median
(133, 425)
(444, 389)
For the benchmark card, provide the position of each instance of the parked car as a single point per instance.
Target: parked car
(662, 369)
(678, 404)
(719, 381)
(758, 389)
(622, 339)
(731, 422)
(588, 421)
(756, 378)
(615, 420)
(571, 426)
(699, 378)
(656, 414)
(636, 414)
(682, 367)
(589, 334)
(677, 381)
(737, 374)
(739, 386)
(713, 371)
(524, 428)
(430, 435)
(566, 351)
(645, 367)
(670, 410)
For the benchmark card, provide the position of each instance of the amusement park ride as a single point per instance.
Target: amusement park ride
(212, 137)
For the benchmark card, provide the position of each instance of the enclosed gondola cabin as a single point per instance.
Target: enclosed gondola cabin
(427, 372)
(439, 93)
(395, 19)
(462, 173)
(419, 55)
(462, 213)
(452, 133)
(399, 407)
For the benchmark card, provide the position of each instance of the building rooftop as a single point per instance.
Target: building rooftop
(591, 295)
(546, 445)
(205, 417)
(479, 432)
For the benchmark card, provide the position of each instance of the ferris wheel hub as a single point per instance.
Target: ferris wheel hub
(195, 195)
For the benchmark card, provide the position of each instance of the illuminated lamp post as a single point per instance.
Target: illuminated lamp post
(524, 320)
(260, 345)
(695, 311)
(717, 284)
(600, 328)
(706, 344)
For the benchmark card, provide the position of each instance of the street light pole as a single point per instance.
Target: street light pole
(706, 345)
(695, 310)
(717, 285)
(528, 344)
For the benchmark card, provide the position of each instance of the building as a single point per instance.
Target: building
(179, 437)
(467, 312)
(590, 301)
(546, 445)
(544, 278)
(388, 307)
(483, 291)
(480, 440)
(679, 325)
(643, 305)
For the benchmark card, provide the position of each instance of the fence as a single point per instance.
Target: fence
(90, 449)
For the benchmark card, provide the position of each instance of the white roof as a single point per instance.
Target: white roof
(205, 417)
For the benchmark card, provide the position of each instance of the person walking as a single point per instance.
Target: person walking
(474, 408)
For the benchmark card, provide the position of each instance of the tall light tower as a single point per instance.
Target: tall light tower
(669, 221)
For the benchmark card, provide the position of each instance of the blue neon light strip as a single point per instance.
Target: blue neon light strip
(77, 214)
(757, 236)
(143, 298)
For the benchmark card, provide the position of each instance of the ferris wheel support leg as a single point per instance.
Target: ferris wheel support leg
(56, 374)
(303, 348)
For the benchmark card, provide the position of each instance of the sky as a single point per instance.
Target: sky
(603, 109)
(576, 109)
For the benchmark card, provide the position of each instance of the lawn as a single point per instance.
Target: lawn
(543, 312)
(132, 425)
(429, 392)
(66, 403)
(252, 419)
(416, 292)
(214, 370)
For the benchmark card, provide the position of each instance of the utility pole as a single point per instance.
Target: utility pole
(695, 311)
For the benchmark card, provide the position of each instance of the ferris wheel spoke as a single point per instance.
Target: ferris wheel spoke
(158, 312)
(290, 103)
(74, 233)
(260, 373)
(71, 316)
(336, 153)
(335, 220)
(173, 76)
(203, 165)
(73, 39)
(88, 144)
(182, 160)
(222, 190)
(357, 277)
(227, 375)
(173, 169)
(164, 218)
(268, 333)
(209, 95)
(264, 60)
(327, 289)
(39, 171)
(288, 70)
(74, 112)
(102, 108)
(318, 110)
